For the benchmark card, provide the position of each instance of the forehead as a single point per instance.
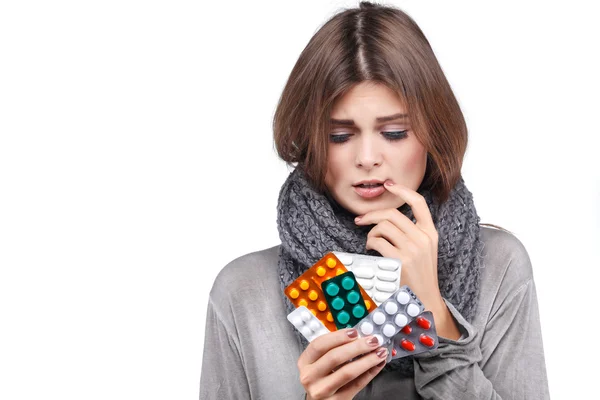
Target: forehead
(368, 101)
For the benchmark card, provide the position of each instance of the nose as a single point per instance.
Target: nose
(368, 155)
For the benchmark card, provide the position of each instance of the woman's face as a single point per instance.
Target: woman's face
(364, 152)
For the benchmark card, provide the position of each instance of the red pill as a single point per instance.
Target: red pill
(426, 340)
(407, 345)
(394, 352)
(423, 323)
(406, 330)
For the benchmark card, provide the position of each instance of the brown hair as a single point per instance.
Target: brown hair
(384, 45)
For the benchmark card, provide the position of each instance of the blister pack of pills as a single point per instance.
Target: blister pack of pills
(309, 326)
(343, 296)
(391, 316)
(378, 276)
(417, 337)
(306, 290)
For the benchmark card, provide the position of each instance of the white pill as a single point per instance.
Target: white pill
(306, 331)
(345, 259)
(387, 264)
(401, 320)
(363, 272)
(391, 307)
(305, 316)
(379, 339)
(366, 284)
(366, 328)
(388, 276)
(380, 297)
(315, 325)
(367, 263)
(403, 297)
(378, 317)
(389, 330)
(412, 310)
(386, 287)
(297, 321)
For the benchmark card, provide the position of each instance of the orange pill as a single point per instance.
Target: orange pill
(312, 310)
(339, 272)
(294, 293)
(313, 295)
(303, 302)
(426, 340)
(331, 262)
(304, 285)
(368, 304)
(329, 317)
(407, 345)
(321, 271)
(322, 306)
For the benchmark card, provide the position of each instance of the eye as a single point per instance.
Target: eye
(395, 135)
(339, 138)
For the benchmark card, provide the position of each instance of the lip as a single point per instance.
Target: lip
(371, 181)
(369, 193)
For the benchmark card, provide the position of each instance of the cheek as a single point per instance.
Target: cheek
(334, 167)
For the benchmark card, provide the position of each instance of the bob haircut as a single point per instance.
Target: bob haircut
(384, 45)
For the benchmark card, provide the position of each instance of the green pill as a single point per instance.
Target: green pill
(347, 283)
(337, 304)
(333, 289)
(358, 311)
(343, 317)
(353, 297)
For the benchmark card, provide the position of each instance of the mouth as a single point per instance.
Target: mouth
(369, 189)
(369, 184)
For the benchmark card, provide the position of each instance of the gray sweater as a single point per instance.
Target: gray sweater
(250, 351)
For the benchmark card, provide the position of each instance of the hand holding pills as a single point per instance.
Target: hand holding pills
(325, 371)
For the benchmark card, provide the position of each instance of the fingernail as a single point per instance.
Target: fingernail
(352, 333)
(388, 183)
(358, 218)
(382, 352)
(372, 341)
(381, 364)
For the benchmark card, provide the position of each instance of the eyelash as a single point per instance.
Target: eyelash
(391, 136)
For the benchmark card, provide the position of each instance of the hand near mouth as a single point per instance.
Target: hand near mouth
(416, 245)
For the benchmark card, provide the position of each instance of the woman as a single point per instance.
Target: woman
(378, 138)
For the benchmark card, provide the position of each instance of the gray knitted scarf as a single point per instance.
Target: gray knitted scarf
(312, 224)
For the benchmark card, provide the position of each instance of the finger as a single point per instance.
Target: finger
(383, 247)
(324, 343)
(400, 221)
(341, 354)
(350, 389)
(391, 233)
(416, 202)
(345, 376)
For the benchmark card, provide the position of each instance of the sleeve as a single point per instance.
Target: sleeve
(223, 375)
(508, 364)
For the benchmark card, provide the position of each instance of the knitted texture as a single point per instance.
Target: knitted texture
(312, 224)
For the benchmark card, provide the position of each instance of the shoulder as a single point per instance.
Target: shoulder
(505, 255)
(241, 276)
(506, 270)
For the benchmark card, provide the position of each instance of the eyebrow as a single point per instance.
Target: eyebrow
(387, 118)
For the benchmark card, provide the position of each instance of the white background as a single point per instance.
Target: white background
(136, 160)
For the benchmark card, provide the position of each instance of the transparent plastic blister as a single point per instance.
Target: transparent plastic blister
(378, 276)
(391, 316)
